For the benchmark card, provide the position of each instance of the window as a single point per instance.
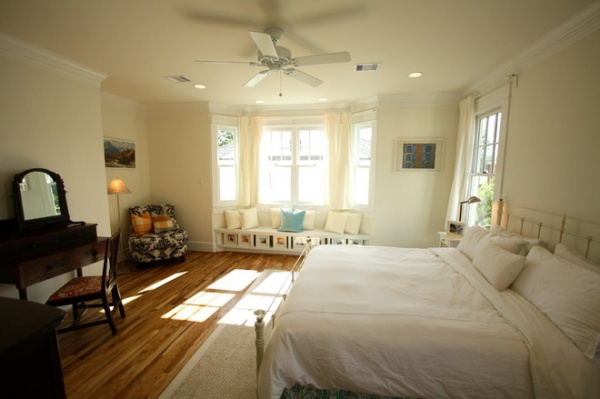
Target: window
(227, 164)
(484, 169)
(361, 161)
(292, 166)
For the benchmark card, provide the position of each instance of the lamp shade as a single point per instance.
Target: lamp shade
(117, 186)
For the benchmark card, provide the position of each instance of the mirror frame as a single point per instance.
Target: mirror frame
(49, 221)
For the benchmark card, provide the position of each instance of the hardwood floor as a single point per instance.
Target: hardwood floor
(150, 349)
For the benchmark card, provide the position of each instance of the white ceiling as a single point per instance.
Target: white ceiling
(454, 43)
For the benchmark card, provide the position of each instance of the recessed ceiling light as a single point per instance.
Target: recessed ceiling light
(323, 99)
(415, 75)
(260, 101)
(200, 86)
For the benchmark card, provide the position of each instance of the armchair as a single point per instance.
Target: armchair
(155, 234)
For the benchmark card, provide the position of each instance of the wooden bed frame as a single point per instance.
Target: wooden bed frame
(580, 235)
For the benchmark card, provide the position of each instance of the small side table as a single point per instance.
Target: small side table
(449, 239)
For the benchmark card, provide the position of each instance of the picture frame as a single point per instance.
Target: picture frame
(418, 155)
(280, 241)
(230, 239)
(119, 153)
(299, 242)
(245, 240)
(456, 227)
(262, 240)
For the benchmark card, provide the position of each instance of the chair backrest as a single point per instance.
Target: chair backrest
(109, 269)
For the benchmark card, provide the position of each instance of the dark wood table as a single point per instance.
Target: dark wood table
(33, 258)
(29, 356)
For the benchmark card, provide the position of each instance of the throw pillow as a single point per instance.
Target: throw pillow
(249, 218)
(353, 222)
(291, 221)
(309, 221)
(233, 219)
(141, 224)
(336, 222)
(162, 223)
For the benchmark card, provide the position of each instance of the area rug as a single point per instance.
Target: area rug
(225, 365)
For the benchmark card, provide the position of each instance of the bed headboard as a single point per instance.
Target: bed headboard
(578, 234)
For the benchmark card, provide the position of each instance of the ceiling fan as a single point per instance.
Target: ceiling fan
(278, 59)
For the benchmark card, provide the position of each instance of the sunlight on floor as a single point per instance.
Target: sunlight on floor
(267, 295)
(163, 282)
(235, 280)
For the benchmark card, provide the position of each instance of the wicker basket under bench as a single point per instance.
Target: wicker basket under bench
(270, 240)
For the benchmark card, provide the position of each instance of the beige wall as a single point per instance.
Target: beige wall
(180, 167)
(124, 119)
(410, 207)
(52, 121)
(553, 148)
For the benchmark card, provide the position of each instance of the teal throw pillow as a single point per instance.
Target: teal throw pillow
(291, 221)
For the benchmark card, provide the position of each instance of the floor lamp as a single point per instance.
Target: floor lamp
(118, 186)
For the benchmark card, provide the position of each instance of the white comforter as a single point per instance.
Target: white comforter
(392, 322)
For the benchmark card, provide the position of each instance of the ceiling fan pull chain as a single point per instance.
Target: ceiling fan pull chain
(280, 93)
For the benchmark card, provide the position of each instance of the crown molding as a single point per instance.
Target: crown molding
(413, 99)
(20, 50)
(559, 38)
(123, 102)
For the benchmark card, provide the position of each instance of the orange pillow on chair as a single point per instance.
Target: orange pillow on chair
(162, 223)
(141, 224)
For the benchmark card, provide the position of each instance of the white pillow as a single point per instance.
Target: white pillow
(249, 218)
(566, 253)
(232, 219)
(514, 245)
(567, 294)
(336, 222)
(496, 230)
(275, 218)
(472, 239)
(353, 222)
(309, 220)
(498, 266)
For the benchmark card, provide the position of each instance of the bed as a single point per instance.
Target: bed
(500, 316)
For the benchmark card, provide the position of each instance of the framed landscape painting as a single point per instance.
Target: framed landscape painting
(423, 155)
(119, 153)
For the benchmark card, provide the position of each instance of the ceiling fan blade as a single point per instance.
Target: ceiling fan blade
(264, 43)
(257, 78)
(303, 77)
(330, 58)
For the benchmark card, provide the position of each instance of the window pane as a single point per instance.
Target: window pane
(311, 146)
(361, 186)
(227, 183)
(310, 184)
(281, 184)
(364, 146)
(226, 147)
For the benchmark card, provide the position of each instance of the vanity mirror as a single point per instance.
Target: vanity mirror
(40, 200)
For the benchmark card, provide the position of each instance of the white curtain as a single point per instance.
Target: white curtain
(338, 129)
(464, 156)
(249, 137)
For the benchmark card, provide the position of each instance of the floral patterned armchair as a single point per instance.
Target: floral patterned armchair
(155, 234)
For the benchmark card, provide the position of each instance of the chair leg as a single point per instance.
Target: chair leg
(108, 313)
(117, 301)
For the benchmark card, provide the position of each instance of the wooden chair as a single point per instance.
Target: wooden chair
(83, 289)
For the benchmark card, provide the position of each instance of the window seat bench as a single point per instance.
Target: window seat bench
(266, 239)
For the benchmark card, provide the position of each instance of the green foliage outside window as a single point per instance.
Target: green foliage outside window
(485, 192)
